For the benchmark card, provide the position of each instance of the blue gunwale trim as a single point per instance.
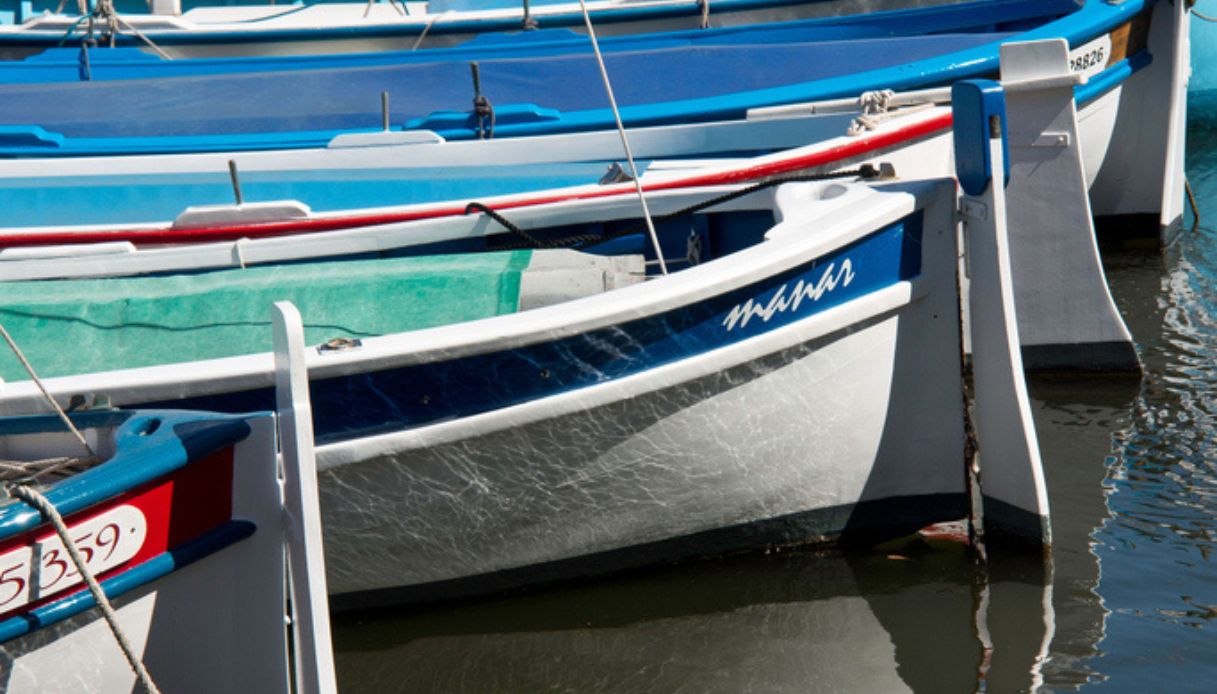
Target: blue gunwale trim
(148, 445)
(406, 397)
(1112, 77)
(127, 580)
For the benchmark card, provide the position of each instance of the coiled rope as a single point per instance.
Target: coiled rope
(876, 108)
(105, 11)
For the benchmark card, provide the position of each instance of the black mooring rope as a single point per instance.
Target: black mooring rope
(865, 172)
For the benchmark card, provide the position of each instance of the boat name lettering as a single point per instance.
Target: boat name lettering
(829, 280)
(104, 541)
(1091, 58)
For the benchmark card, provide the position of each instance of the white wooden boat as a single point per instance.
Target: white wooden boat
(1119, 112)
(797, 378)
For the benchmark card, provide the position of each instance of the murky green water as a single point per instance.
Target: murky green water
(1127, 603)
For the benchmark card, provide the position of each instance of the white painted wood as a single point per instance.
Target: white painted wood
(314, 659)
(1143, 174)
(856, 402)
(1174, 178)
(1067, 319)
(165, 7)
(204, 216)
(835, 228)
(68, 251)
(1011, 471)
(650, 142)
(385, 138)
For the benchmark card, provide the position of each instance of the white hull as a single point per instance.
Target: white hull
(771, 441)
(846, 419)
(1142, 178)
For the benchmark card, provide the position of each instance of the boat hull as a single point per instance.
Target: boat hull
(807, 388)
(796, 444)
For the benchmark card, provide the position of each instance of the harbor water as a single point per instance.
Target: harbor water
(1127, 601)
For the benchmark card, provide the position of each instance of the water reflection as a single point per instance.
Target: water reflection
(1075, 419)
(902, 619)
(779, 623)
(916, 616)
(1158, 546)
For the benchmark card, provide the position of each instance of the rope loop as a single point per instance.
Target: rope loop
(484, 111)
(863, 123)
(877, 101)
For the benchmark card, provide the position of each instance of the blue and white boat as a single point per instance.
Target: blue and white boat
(84, 63)
(210, 29)
(542, 414)
(164, 531)
(533, 96)
(1056, 254)
(175, 199)
(382, 177)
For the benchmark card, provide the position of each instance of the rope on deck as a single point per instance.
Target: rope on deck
(46, 469)
(115, 24)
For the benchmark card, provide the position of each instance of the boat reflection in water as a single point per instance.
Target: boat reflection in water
(1074, 419)
(777, 623)
(917, 615)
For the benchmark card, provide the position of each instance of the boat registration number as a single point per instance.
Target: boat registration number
(43, 568)
(1091, 58)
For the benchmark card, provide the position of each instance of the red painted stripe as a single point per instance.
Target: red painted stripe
(169, 235)
(177, 508)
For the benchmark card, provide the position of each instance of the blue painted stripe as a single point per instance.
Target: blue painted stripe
(1110, 78)
(148, 445)
(157, 567)
(353, 405)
